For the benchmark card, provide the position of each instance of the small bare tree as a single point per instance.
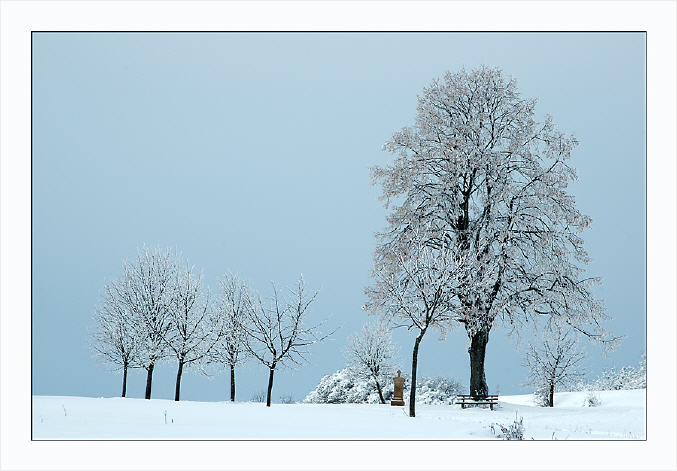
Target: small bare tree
(413, 288)
(371, 353)
(193, 334)
(277, 335)
(148, 290)
(114, 339)
(556, 362)
(232, 311)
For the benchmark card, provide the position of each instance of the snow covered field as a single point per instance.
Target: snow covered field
(620, 416)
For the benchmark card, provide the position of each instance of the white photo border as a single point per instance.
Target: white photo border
(19, 18)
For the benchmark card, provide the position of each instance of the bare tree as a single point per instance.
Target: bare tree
(413, 289)
(556, 362)
(114, 339)
(193, 333)
(489, 181)
(232, 312)
(371, 353)
(149, 292)
(277, 335)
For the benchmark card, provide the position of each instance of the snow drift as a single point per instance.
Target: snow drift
(620, 415)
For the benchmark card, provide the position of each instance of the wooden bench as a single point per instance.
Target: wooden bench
(466, 400)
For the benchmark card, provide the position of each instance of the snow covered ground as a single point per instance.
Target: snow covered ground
(620, 416)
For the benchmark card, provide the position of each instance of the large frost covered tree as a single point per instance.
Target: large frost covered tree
(489, 182)
(371, 354)
(232, 311)
(278, 335)
(114, 341)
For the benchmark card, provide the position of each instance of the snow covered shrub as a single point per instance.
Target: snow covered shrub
(259, 397)
(514, 431)
(591, 400)
(628, 377)
(542, 396)
(438, 390)
(348, 386)
(287, 399)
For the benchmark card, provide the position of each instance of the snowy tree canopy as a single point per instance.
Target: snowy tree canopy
(232, 311)
(193, 333)
(148, 290)
(114, 340)
(414, 283)
(193, 330)
(232, 308)
(371, 353)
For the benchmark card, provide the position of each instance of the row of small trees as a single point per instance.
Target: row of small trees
(160, 308)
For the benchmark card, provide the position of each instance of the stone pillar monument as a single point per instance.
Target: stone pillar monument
(398, 400)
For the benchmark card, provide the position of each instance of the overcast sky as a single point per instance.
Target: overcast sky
(251, 152)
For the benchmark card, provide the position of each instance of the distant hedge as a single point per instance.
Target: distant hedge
(628, 377)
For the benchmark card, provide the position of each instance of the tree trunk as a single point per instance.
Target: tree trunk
(177, 392)
(414, 362)
(270, 386)
(551, 398)
(477, 350)
(232, 383)
(149, 379)
(124, 379)
(380, 393)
